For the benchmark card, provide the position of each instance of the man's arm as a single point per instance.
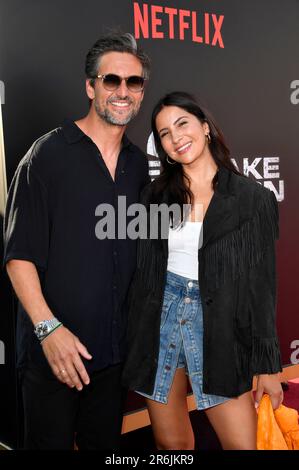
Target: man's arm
(61, 348)
(25, 281)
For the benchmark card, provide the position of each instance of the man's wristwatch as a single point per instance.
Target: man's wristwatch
(45, 327)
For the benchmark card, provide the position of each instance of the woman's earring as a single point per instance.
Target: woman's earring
(208, 137)
(170, 163)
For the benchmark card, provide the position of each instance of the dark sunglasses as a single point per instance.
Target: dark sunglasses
(112, 82)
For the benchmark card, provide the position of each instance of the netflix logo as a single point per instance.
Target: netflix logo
(158, 22)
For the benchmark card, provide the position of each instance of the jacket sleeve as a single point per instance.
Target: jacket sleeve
(262, 289)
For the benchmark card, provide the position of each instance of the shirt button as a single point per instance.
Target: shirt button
(187, 300)
(122, 172)
(172, 346)
(167, 367)
(114, 253)
(114, 287)
(183, 322)
(190, 284)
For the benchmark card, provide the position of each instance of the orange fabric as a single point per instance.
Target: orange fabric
(287, 420)
(277, 430)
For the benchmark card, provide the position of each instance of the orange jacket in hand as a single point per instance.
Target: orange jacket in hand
(277, 430)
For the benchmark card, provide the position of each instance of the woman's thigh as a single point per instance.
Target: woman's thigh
(170, 422)
(235, 422)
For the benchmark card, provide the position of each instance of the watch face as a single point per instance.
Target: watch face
(42, 330)
(45, 329)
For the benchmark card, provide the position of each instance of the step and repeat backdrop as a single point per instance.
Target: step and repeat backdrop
(239, 58)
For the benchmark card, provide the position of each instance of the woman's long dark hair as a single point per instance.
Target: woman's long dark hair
(172, 180)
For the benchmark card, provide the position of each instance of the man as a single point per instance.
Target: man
(71, 285)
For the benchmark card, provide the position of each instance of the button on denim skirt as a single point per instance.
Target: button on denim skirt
(181, 341)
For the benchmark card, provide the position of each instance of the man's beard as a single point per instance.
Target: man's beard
(110, 118)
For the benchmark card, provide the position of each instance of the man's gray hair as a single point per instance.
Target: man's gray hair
(114, 42)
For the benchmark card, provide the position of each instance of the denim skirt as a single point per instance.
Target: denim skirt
(181, 341)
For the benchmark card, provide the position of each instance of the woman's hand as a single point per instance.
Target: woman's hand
(269, 383)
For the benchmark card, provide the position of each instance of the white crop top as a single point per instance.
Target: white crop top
(183, 244)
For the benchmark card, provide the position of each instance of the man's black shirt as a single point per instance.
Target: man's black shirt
(51, 220)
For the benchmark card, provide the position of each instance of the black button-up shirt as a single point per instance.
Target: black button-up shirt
(51, 221)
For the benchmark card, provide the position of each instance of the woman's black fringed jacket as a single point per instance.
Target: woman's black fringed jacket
(237, 279)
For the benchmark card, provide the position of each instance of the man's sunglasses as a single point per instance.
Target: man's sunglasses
(112, 82)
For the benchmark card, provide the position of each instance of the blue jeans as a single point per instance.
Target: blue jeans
(181, 341)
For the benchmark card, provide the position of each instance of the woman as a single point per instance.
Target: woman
(202, 302)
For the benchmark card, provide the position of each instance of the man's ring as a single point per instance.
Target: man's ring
(62, 371)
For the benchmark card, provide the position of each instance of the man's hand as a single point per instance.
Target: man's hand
(269, 383)
(62, 350)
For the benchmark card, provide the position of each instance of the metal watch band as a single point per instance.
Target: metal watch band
(45, 327)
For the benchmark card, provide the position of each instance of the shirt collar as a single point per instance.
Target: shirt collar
(73, 133)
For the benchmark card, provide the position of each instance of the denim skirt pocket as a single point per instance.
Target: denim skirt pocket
(169, 302)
